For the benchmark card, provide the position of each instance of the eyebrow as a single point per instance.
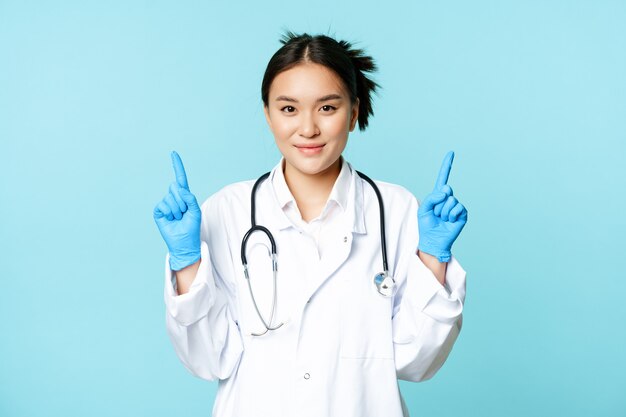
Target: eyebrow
(319, 100)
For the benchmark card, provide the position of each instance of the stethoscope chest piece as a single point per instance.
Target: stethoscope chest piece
(385, 284)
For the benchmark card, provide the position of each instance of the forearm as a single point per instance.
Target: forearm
(432, 263)
(428, 320)
(185, 277)
(203, 331)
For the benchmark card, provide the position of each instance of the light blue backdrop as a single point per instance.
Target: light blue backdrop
(94, 95)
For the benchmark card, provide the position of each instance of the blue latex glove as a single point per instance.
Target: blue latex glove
(178, 218)
(440, 217)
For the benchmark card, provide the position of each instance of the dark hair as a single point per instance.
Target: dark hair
(348, 63)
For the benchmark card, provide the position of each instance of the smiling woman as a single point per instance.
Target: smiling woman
(319, 330)
(311, 131)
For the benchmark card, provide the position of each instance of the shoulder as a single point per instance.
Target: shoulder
(393, 195)
(233, 195)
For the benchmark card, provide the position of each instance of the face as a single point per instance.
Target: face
(310, 114)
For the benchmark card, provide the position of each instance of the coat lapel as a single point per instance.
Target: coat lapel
(341, 240)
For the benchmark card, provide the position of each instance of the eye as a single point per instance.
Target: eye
(288, 109)
(327, 108)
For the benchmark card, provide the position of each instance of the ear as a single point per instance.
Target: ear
(267, 116)
(355, 114)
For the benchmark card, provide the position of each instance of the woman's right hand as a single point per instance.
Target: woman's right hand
(178, 218)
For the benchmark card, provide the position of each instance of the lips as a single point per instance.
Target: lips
(309, 146)
(310, 149)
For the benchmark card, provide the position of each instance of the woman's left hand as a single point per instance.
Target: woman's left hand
(440, 217)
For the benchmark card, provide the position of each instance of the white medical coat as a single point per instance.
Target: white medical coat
(343, 346)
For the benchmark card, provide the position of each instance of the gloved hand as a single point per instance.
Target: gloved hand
(440, 217)
(178, 218)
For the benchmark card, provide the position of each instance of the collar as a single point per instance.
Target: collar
(338, 194)
(347, 192)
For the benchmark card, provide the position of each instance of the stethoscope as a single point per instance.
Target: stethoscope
(385, 284)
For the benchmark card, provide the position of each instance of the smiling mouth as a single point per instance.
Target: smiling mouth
(309, 146)
(310, 149)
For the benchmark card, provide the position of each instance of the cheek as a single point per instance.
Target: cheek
(337, 127)
(284, 127)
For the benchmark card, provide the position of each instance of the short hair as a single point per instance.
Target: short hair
(348, 63)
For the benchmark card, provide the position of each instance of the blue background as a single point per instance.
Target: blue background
(94, 95)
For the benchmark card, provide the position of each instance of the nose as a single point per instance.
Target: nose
(308, 126)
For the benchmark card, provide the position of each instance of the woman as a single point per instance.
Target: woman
(321, 336)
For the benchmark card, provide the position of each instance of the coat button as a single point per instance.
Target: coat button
(307, 376)
(345, 239)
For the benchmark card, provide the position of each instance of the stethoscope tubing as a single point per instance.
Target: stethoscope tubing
(258, 228)
(381, 206)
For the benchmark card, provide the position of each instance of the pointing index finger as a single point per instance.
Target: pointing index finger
(444, 172)
(179, 170)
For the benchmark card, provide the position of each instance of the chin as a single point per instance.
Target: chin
(312, 167)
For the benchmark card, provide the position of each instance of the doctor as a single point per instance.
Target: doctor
(339, 342)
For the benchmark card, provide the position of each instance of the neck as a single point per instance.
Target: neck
(311, 191)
